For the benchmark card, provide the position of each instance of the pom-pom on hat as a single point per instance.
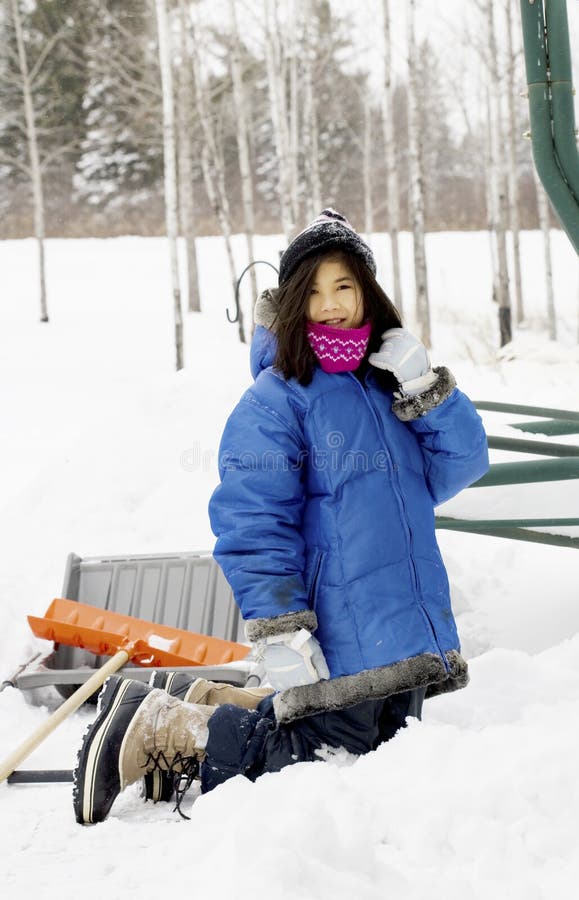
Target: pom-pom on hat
(330, 229)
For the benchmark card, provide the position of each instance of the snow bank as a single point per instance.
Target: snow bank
(106, 450)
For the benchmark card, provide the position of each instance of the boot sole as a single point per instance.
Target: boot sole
(84, 775)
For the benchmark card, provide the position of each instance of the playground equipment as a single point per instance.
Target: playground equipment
(561, 464)
(550, 92)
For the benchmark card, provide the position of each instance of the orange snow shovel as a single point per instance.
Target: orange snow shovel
(123, 638)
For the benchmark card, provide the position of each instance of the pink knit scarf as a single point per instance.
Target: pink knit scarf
(339, 349)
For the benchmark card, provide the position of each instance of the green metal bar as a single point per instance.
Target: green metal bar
(542, 448)
(566, 467)
(477, 524)
(530, 472)
(521, 534)
(548, 426)
(545, 153)
(567, 414)
(562, 111)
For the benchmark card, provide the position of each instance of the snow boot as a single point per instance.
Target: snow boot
(137, 730)
(210, 693)
(159, 785)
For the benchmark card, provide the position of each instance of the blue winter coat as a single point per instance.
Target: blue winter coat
(326, 507)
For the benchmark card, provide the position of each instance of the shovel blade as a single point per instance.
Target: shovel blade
(105, 633)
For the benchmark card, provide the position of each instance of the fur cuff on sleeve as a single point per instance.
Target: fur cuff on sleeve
(408, 408)
(256, 629)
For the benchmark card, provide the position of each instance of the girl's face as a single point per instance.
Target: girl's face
(336, 297)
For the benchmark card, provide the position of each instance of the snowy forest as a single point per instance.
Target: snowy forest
(149, 117)
(285, 95)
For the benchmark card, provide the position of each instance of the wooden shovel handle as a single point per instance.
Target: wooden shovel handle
(115, 663)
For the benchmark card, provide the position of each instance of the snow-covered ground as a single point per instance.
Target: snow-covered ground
(106, 450)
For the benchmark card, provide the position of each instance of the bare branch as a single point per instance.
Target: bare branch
(49, 158)
(50, 44)
(15, 163)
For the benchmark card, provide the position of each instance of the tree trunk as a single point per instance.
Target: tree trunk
(512, 167)
(544, 215)
(35, 171)
(492, 215)
(367, 169)
(498, 182)
(186, 197)
(310, 122)
(417, 184)
(239, 97)
(293, 110)
(170, 173)
(392, 189)
(278, 105)
(213, 167)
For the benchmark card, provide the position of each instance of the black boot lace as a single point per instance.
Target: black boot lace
(184, 779)
(188, 767)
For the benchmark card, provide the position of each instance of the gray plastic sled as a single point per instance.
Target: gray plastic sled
(182, 590)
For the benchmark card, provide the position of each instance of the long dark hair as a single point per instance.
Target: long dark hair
(295, 357)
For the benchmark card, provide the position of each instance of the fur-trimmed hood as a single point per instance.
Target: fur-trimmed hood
(263, 344)
(266, 308)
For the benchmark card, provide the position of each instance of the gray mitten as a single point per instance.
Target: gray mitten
(293, 658)
(407, 358)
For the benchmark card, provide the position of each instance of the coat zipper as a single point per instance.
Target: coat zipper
(402, 504)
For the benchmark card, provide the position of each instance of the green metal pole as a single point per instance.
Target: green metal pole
(513, 534)
(530, 472)
(571, 415)
(478, 524)
(540, 448)
(562, 108)
(538, 57)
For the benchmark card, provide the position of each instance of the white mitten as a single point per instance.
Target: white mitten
(407, 358)
(291, 659)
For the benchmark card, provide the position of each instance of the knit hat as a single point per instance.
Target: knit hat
(329, 229)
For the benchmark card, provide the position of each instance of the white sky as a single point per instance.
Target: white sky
(443, 21)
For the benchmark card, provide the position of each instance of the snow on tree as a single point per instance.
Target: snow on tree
(121, 161)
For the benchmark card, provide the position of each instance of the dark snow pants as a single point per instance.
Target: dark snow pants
(250, 742)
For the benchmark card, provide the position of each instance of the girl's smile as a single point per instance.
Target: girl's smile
(336, 296)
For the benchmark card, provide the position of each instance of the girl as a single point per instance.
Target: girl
(330, 466)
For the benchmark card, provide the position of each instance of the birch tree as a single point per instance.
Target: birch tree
(392, 189)
(213, 166)
(513, 181)
(417, 182)
(498, 180)
(185, 107)
(491, 200)
(171, 209)
(276, 75)
(367, 166)
(240, 100)
(292, 52)
(313, 194)
(34, 156)
(40, 104)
